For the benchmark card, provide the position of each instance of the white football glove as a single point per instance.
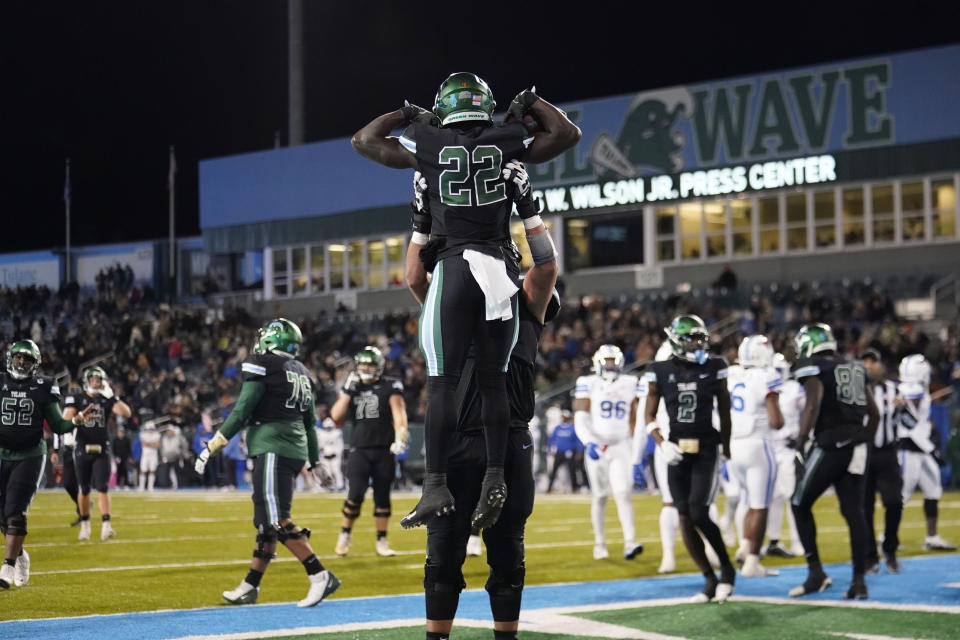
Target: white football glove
(515, 172)
(201, 462)
(672, 453)
(419, 189)
(398, 447)
(106, 390)
(352, 382)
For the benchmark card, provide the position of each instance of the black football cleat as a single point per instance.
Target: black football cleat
(776, 550)
(493, 495)
(436, 501)
(893, 565)
(857, 590)
(814, 584)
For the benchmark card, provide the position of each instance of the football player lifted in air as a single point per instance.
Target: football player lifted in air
(462, 156)
(754, 411)
(605, 413)
(27, 400)
(447, 537)
(91, 452)
(920, 453)
(376, 407)
(276, 406)
(688, 383)
(836, 403)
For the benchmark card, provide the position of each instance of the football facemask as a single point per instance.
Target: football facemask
(23, 359)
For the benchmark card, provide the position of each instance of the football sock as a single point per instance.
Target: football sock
(346, 529)
(105, 517)
(504, 635)
(669, 521)
(435, 635)
(253, 577)
(84, 518)
(312, 565)
(598, 512)
(10, 561)
(381, 534)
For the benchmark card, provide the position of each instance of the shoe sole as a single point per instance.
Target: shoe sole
(246, 599)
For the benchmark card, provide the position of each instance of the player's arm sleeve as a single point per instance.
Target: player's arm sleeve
(250, 394)
(310, 424)
(51, 413)
(804, 369)
(582, 421)
(774, 382)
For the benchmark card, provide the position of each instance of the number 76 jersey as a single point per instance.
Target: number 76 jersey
(610, 403)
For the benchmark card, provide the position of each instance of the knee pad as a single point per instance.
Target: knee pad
(16, 525)
(287, 532)
(505, 589)
(266, 543)
(930, 508)
(442, 587)
(351, 510)
(381, 512)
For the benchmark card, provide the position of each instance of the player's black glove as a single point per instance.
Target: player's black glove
(413, 113)
(938, 457)
(520, 106)
(799, 461)
(421, 220)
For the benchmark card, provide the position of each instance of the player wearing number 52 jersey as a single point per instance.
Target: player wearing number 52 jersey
(754, 413)
(375, 406)
(605, 412)
(836, 403)
(27, 399)
(472, 299)
(276, 408)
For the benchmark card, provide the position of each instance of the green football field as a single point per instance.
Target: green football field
(179, 550)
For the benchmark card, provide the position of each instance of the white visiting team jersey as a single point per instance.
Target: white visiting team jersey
(914, 417)
(792, 399)
(749, 389)
(609, 406)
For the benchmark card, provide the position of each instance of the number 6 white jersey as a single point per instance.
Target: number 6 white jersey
(610, 403)
(749, 389)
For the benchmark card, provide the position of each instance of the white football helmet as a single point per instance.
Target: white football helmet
(604, 369)
(782, 366)
(915, 369)
(755, 351)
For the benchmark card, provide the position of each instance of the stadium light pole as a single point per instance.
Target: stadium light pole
(295, 72)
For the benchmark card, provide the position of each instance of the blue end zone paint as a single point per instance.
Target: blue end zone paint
(922, 583)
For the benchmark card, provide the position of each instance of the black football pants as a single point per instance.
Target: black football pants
(883, 475)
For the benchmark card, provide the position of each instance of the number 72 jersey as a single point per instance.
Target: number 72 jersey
(468, 195)
(610, 403)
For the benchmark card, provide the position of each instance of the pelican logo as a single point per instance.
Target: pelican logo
(648, 139)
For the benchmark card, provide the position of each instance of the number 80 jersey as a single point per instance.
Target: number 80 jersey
(610, 403)
(463, 168)
(844, 404)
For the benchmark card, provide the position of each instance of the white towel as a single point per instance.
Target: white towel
(491, 275)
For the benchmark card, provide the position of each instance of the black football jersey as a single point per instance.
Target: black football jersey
(93, 431)
(21, 410)
(521, 377)
(688, 390)
(371, 414)
(289, 389)
(844, 405)
(469, 201)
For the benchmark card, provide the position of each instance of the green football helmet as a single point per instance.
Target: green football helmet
(21, 370)
(94, 372)
(372, 356)
(814, 338)
(280, 336)
(689, 338)
(464, 97)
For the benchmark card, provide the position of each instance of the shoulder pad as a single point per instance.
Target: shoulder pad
(256, 365)
(69, 400)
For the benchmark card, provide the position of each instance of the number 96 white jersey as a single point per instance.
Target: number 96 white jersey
(749, 389)
(610, 403)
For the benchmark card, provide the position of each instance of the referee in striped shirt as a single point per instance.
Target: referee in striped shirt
(883, 468)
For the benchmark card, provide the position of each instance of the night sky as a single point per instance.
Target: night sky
(112, 84)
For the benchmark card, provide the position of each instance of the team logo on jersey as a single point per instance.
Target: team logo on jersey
(672, 378)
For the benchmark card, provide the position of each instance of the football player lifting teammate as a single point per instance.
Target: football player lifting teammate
(469, 164)
(689, 382)
(91, 453)
(276, 406)
(27, 399)
(836, 403)
(376, 407)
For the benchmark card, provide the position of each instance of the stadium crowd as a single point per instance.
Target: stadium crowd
(183, 361)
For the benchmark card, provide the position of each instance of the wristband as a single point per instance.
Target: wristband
(532, 222)
(419, 238)
(651, 426)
